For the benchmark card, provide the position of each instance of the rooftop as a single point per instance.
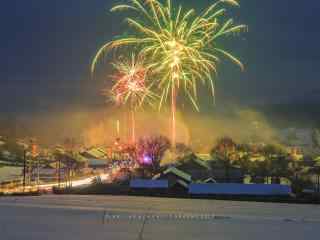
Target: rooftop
(178, 173)
(149, 184)
(240, 189)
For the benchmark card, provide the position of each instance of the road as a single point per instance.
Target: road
(113, 217)
(48, 186)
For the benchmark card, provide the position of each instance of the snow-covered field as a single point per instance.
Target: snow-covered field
(107, 217)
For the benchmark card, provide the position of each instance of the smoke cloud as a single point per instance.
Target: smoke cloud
(98, 126)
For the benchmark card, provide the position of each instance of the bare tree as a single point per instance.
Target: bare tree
(151, 150)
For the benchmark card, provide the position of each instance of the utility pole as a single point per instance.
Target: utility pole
(59, 177)
(38, 172)
(318, 183)
(29, 171)
(34, 153)
(24, 168)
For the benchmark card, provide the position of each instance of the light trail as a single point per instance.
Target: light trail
(48, 187)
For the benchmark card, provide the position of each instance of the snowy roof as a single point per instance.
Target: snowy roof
(149, 184)
(157, 176)
(240, 189)
(257, 157)
(96, 153)
(204, 156)
(202, 163)
(210, 180)
(178, 173)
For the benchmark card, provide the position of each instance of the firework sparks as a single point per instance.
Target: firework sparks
(181, 45)
(129, 81)
(130, 86)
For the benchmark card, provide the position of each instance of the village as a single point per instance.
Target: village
(291, 168)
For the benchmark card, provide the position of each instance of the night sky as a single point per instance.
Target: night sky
(47, 46)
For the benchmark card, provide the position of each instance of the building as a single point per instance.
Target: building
(178, 180)
(145, 186)
(97, 164)
(227, 175)
(201, 170)
(149, 184)
(95, 153)
(196, 168)
(174, 174)
(239, 189)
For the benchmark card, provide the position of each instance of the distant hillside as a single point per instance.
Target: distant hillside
(293, 114)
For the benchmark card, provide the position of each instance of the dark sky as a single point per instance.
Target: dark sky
(47, 46)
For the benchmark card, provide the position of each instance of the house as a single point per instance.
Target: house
(179, 187)
(209, 180)
(149, 184)
(230, 175)
(239, 189)
(95, 153)
(196, 168)
(97, 159)
(200, 171)
(178, 180)
(97, 164)
(144, 186)
(173, 174)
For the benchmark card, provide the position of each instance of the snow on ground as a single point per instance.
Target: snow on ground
(106, 217)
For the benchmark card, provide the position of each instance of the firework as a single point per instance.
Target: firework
(130, 86)
(182, 46)
(130, 81)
